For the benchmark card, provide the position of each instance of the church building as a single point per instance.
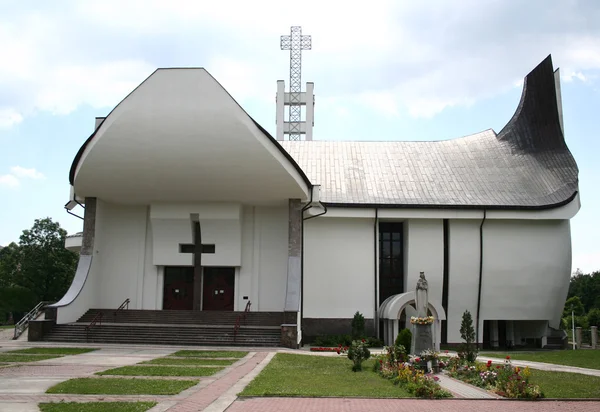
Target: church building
(192, 206)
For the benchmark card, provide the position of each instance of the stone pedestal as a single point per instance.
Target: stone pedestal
(578, 337)
(594, 337)
(38, 328)
(422, 338)
(289, 336)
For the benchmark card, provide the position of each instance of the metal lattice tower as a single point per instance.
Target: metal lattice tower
(295, 43)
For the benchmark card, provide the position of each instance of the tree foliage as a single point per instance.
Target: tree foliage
(587, 288)
(468, 349)
(38, 268)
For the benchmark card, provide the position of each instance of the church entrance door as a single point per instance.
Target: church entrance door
(218, 288)
(178, 292)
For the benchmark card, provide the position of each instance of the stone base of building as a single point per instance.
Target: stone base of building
(289, 335)
(313, 327)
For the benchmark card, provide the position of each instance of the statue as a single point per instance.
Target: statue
(421, 296)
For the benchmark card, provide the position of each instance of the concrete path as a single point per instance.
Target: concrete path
(544, 366)
(461, 390)
(23, 386)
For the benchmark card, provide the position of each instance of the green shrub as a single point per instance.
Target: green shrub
(332, 340)
(404, 338)
(593, 317)
(358, 326)
(373, 342)
(358, 353)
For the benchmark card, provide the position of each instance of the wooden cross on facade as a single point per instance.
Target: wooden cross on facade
(197, 248)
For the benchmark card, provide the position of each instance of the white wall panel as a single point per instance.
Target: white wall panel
(338, 268)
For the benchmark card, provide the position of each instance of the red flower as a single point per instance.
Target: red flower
(363, 341)
(446, 350)
(417, 359)
(507, 357)
(498, 366)
(489, 363)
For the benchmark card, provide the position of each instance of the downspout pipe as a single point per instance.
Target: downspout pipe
(480, 277)
(376, 317)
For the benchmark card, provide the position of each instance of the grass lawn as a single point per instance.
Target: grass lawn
(7, 327)
(122, 386)
(584, 358)
(8, 357)
(566, 385)
(210, 354)
(53, 351)
(304, 375)
(161, 371)
(96, 406)
(189, 361)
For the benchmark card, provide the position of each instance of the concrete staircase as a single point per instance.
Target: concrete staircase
(212, 328)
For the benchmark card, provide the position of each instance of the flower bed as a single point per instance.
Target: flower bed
(427, 320)
(504, 380)
(324, 349)
(410, 375)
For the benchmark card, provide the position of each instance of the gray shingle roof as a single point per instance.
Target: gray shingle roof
(526, 165)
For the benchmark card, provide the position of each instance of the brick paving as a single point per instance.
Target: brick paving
(405, 405)
(204, 397)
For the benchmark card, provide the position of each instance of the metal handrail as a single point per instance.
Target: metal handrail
(124, 305)
(239, 320)
(21, 325)
(97, 318)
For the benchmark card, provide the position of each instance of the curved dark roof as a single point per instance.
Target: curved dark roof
(526, 166)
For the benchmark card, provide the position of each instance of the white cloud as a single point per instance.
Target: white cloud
(23, 172)
(9, 117)
(9, 181)
(394, 56)
(17, 173)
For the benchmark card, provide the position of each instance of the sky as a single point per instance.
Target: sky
(383, 70)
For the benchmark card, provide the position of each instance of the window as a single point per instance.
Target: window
(391, 260)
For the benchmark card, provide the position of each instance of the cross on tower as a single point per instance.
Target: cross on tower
(295, 43)
(197, 248)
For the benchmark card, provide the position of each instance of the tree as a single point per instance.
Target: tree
(9, 264)
(358, 326)
(587, 287)
(38, 268)
(593, 317)
(468, 349)
(573, 304)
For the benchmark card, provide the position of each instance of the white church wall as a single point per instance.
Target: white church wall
(338, 268)
(425, 254)
(463, 273)
(246, 282)
(263, 273)
(273, 257)
(526, 272)
(123, 251)
(220, 225)
(89, 296)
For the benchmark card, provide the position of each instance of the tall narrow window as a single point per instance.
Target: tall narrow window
(391, 260)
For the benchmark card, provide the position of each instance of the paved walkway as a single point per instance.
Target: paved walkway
(544, 366)
(404, 405)
(23, 386)
(460, 389)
